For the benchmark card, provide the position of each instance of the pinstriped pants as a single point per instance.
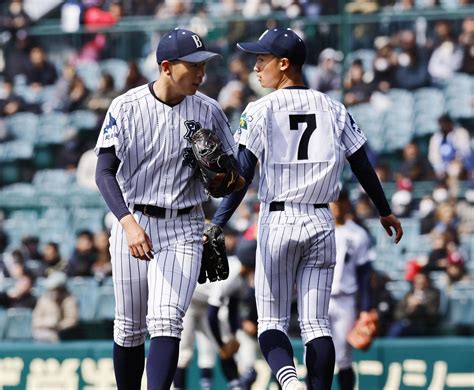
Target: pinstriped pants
(296, 251)
(154, 295)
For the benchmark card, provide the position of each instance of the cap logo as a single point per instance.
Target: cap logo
(264, 33)
(197, 41)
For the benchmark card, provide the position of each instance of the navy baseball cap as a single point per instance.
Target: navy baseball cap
(184, 45)
(281, 42)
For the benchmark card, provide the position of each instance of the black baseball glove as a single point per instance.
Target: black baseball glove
(219, 172)
(214, 264)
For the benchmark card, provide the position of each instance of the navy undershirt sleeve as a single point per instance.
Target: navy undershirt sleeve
(105, 178)
(229, 204)
(363, 282)
(369, 181)
(212, 317)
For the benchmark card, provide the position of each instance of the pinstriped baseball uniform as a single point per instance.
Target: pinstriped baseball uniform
(353, 250)
(157, 168)
(301, 138)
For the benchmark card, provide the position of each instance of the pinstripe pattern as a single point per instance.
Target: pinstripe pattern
(150, 139)
(295, 249)
(167, 282)
(311, 182)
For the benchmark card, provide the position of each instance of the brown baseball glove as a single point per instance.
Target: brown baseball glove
(364, 330)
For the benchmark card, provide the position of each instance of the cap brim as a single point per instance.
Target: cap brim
(253, 47)
(199, 56)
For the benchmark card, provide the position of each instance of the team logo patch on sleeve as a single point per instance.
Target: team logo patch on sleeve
(109, 126)
(354, 125)
(243, 121)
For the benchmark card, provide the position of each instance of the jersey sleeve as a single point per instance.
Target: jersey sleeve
(221, 126)
(113, 131)
(250, 133)
(352, 137)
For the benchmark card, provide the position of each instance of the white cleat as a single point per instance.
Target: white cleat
(295, 385)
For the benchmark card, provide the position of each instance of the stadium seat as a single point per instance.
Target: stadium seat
(18, 324)
(398, 288)
(16, 150)
(3, 320)
(88, 218)
(53, 179)
(23, 126)
(52, 128)
(89, 72)
(105, 308)
(83, 119)
(86, 291)
(461, 307)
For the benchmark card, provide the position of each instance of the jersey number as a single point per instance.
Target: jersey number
(310, 120)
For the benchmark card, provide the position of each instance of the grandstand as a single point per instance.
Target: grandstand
(45, 128)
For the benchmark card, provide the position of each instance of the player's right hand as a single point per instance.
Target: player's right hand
(139, 243)
(389, 222)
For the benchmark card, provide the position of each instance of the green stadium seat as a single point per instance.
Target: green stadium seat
(52, 128)
(3, 320)
(461, 307)
(118, 69)
(16, 150)
(83, 119)
(398, 288)
(23, 126)
(105, 308)
(18, 324)
(53, 179)
(86, 291)
(89, 72)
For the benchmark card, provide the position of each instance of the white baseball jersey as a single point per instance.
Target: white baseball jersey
(151, 140)
(300, 136)
(352, 250)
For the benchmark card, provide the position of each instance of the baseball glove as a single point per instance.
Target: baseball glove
(219, 172)
(214, 264)
(364, 330)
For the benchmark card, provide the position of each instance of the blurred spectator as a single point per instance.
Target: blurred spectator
(446, 219)
(466, 39)
(327, 76)
(384, 64)
(16, 18)
(449, 149)
(92, 50)
(77, 95)
(426, 214)
(30, 248)
(101, 99)
(411, 71)
(17, 57)
(364, 208)
(10, 102)
(415, 166)
(20, 295)
(83, 256)
(383, 171)
(402, 198)
(59, 100)
(357, 90)
(383, 301)
(447, 55)
(102, 267)
(56, 312)
(40, 71)
(52, 259)
(85, 172)
(231, 99)
(134, 77)
(465, 211)
(438, 256)
(417, 313)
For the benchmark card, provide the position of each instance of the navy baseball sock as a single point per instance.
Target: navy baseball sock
(278, 352)
(320, 360)
(162, 361)
(179, 381)
(129, 363)
(229, 369)
(206, 378)
(346, 379)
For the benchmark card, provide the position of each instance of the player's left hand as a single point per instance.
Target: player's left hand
(389, 222)
(228, 349)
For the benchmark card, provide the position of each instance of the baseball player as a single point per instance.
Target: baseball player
(351, 277)
(301, 138)
(146, 174)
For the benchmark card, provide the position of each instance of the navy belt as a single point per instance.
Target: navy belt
(280, 206)
(160, 212)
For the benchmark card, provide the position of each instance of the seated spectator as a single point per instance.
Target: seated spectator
(465, 211)
(415, 166)
(446, 219)
(384, 303)
(30, 248)
(456, 268)
(411, 71)
(83, 256)
(52, 259)
(466, 39)
(20, 295)
(327, 77)
(402, 199)
(447, 56)
(10, 102)
(449, 149)
(134, 77)
(77, 95)
(417, 313)
(101, 99)
(357, 89)
(384, 64)
(40, 71)
(102, 267)
(60, 98)
(56, 312)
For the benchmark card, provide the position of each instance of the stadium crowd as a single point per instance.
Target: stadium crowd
(431, 174)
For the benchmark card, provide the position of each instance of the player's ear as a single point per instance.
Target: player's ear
(284, 64)
(165, 67)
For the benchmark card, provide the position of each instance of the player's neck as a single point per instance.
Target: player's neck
(293, 80)
(166, 94)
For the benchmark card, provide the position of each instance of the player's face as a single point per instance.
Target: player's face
(268, 71)
(187, 76)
